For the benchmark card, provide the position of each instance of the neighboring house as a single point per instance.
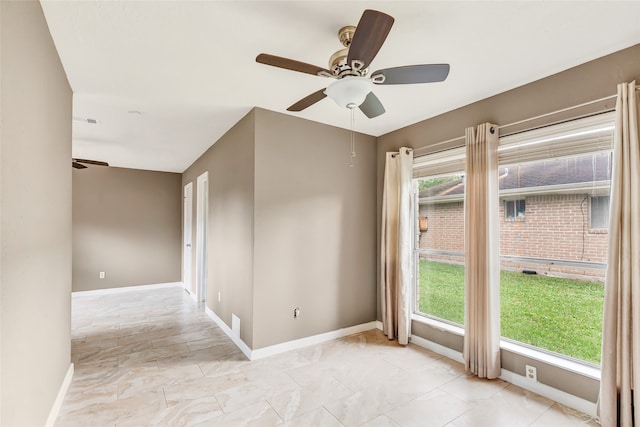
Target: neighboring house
(553, 216)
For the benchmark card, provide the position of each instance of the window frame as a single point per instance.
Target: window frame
(516, 213)
(452, 164)
(510, 147)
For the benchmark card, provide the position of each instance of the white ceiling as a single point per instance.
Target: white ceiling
(189, 67)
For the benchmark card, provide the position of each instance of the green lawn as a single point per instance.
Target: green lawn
(561, 315)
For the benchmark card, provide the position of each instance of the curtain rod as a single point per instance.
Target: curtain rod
(526, 120)
(409, 150)
(584, 104)
(541, 116)
(444, 142)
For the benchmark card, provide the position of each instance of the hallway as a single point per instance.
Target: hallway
(152, 357)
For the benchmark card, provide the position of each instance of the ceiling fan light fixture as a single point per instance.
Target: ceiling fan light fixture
(350, 66)
(349, 92)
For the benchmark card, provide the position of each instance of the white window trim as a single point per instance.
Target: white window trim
(437, 324)
(582, 368)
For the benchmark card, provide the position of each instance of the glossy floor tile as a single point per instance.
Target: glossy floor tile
(153, 358)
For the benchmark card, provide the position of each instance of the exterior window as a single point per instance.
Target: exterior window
(552, 266)
(514, 209)
(439, 249)
(599, 212)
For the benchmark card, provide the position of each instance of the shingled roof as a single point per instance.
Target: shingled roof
(547, 173)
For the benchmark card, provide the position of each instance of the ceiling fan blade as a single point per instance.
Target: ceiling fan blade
(372, 107)
(77, 165)
(426, 73)
(308, 101)
(371, 32)
(91, 162)
(290, 64)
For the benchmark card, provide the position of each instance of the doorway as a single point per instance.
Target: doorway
(202, 208)
(187, 237)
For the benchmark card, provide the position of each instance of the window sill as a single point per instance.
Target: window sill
(550, 359)
(531, 353)
(443, 326)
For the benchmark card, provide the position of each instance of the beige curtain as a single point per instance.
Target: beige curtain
(619, 404)
(482, 255)
(395, 254)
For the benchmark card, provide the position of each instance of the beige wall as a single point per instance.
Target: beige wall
(36, 217)
(290, 225)
(314, 229)
(590, 81)
(230, 163)
(126, 222)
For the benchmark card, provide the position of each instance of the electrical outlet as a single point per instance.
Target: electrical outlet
(102, 274)
(532, 374)
(219, 296)
(296, 312)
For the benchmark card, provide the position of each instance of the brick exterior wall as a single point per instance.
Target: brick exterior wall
(554, 227)
(446, 227)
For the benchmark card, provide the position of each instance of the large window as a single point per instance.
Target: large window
(553, 263)
(552, 266)
(440, 248)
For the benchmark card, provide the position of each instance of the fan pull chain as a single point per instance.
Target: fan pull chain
(352, 140)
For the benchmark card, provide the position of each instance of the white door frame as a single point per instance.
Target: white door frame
(202, 209)
(187, 237)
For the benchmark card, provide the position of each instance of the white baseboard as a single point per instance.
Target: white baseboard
(554, 394)
(227, 330)
(379, 324)
(437, 348)
(312, 340)
(57, 404)
(289, 345)
(130, 288)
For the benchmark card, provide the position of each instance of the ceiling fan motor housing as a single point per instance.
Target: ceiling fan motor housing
(340, 68)
(338, 61)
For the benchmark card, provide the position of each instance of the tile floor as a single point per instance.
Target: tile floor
(153, 358)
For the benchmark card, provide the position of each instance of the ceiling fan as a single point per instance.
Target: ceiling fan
(353, 85)
(78, 163)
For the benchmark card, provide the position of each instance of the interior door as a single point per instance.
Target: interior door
(187, 237)
(202, 208)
